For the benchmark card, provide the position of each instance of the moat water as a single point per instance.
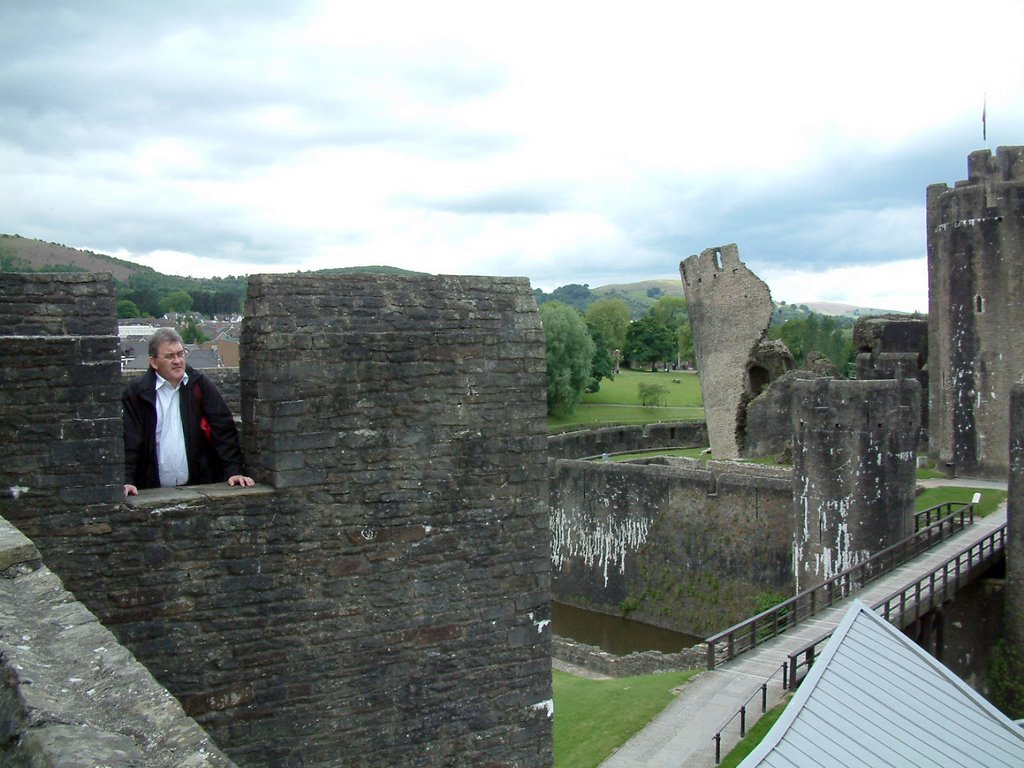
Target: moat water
(615, 634)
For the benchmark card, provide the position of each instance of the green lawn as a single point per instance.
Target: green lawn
(616, 402)
(622, 389)
(594, 717)
(990, 498)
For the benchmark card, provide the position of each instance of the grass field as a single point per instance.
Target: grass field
(616, 402)
(593, 717)
(990, 498)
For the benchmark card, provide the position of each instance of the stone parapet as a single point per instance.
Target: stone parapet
(65, 304)
(69, 693)
(589, 443)
(594, 659)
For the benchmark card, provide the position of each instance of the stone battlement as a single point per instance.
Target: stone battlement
(382, 596)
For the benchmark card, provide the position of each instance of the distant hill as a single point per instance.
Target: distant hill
(849, 310)
(19, 253)
(24, 254)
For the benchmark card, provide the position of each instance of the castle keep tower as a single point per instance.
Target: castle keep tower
(976, 315)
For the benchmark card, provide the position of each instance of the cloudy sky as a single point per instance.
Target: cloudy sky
(569, 142)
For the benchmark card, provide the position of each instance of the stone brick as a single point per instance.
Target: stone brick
(266, 610)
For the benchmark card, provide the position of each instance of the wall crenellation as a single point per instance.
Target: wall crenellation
(382, 597)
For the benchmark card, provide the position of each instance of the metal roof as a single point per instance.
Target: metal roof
(874, 698)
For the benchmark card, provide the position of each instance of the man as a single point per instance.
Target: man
(177, 428)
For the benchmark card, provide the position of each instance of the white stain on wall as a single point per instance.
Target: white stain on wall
(601, 542)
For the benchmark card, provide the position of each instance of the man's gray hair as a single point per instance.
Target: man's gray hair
(163, 336)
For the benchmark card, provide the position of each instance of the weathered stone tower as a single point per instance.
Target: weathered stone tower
(976, 313)
(853, 471)
(730, 310)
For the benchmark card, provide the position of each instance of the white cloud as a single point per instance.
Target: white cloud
(898, 285)
(566, 141)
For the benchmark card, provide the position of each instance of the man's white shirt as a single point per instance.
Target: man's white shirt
(170, 437)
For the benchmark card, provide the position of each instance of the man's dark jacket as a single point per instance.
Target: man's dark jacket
(209, 461)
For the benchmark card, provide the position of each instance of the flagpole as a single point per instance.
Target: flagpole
(984, 119)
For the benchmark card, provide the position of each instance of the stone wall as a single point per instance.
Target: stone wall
(60, 392)
(967, 629)
(64, 304)
(684, 545)
(891, 346)
(70, 695)
(1015, 524)
(853, 471)
(730, 309)
(594, 659)
(769, 429)
(388, 602)
(639, 437)
(975, 274)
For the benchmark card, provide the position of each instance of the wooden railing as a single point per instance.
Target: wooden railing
(741, 637)
(913, 601)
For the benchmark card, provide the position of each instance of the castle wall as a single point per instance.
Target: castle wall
(975, 279)
(769, 429)
(730, 309)
(623, 439)
(381, 598)
(1015, 524)
(70, 695)
(893, 346)
(853, 471)
(680, 544)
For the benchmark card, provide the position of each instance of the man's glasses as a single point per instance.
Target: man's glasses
(172, 356)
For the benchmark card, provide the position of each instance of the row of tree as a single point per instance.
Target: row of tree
(584, 347)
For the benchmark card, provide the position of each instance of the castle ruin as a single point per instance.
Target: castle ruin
(730, 310)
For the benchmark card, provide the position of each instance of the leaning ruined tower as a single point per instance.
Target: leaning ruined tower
(976, 311)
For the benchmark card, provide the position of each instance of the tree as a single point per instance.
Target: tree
(176, 301)
(146, 299)
(191, 334)
(575, 295)
(127, 309)
(671, 311)
(570, 354)
(649, 341)
(651, 394)
(610, 317)
(815, 333)
(603, 364)
(684, 341)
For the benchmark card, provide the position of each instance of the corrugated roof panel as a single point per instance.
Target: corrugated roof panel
(875, 698)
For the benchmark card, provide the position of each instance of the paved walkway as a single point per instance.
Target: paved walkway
(681, 736)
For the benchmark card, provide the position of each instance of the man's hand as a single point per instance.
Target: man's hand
(130, 490)
(241, 480)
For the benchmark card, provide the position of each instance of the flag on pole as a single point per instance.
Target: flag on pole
(984, 114)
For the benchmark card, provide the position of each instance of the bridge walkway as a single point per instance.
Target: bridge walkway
(682, 735)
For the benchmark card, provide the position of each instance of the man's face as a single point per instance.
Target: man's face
(170, 361)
